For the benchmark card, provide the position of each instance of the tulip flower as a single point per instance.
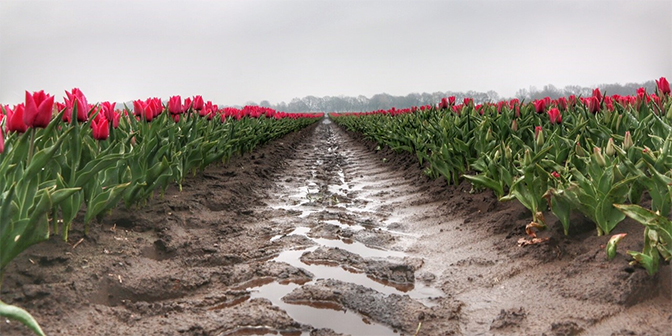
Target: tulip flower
(108, 110)
(101, 131)
(608, 102)
(562, 103)
(593, 104)
(539, 105)
(597, 94)
(175, 105)
(38, 110)
(198, 103)
(451, 100)
(555, 174)
(187, 104)
(663, 86)
(15, 121)
(555, 116)
(76, 97)
(443, 104)
(116, 115)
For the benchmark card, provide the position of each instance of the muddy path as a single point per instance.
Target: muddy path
(323, 233)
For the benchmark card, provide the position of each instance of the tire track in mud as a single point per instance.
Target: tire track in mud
(348, 211)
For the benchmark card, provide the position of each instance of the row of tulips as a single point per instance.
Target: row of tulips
(59, 158)
(595, 155)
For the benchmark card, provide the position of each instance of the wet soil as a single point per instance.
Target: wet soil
(324, 233)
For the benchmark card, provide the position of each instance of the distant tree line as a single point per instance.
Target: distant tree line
(386, 101)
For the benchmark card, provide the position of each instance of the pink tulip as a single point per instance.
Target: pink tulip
(38, 110)
(554, 116)
(175, 105)
(15, 121)
(76, 97)
(100, 128)
(198, 103)
(108, 110)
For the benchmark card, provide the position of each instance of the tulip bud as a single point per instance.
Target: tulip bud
(610, 150)
(579, 149)
(627, 141)
(497, 155)
(653, 235)
(539, 136)
(508, 154)
(514, 125)
(488, 136)
(597, 154)
(612, 244)
(527, 158)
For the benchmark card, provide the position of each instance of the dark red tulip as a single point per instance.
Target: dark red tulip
(554, 116)
(443, 104)
(598, 94)
(663, 86)
(38, 110)
(593, 104)
(539, 105)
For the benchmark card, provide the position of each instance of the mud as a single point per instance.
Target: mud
(324, 233)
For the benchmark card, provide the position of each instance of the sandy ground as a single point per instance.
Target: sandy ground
(324, 233)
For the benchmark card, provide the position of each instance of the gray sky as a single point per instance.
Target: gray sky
(232, 52)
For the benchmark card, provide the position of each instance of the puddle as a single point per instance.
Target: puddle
(320, 315)
(325, 195)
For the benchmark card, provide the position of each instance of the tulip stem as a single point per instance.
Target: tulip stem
(31, 147)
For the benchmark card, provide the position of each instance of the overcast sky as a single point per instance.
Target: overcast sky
(232, 52)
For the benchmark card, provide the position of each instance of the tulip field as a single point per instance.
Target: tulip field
(595, 155)
(60, 158)
(178, 216)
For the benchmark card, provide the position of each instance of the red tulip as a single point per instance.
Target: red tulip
(108, 110)
(2, 141)
(39, 108)
(187, 104)
(100, 128)
(198, 103)
(15, 121)
(443, 104)
(555, 116)
(138, 107)
(663, 86)
(593, 104)
(83, 107)
(562, 103)
(115, 119)
(598, 94)
(555, 174)
(175, 105)
(451, 100)
(539, 105)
